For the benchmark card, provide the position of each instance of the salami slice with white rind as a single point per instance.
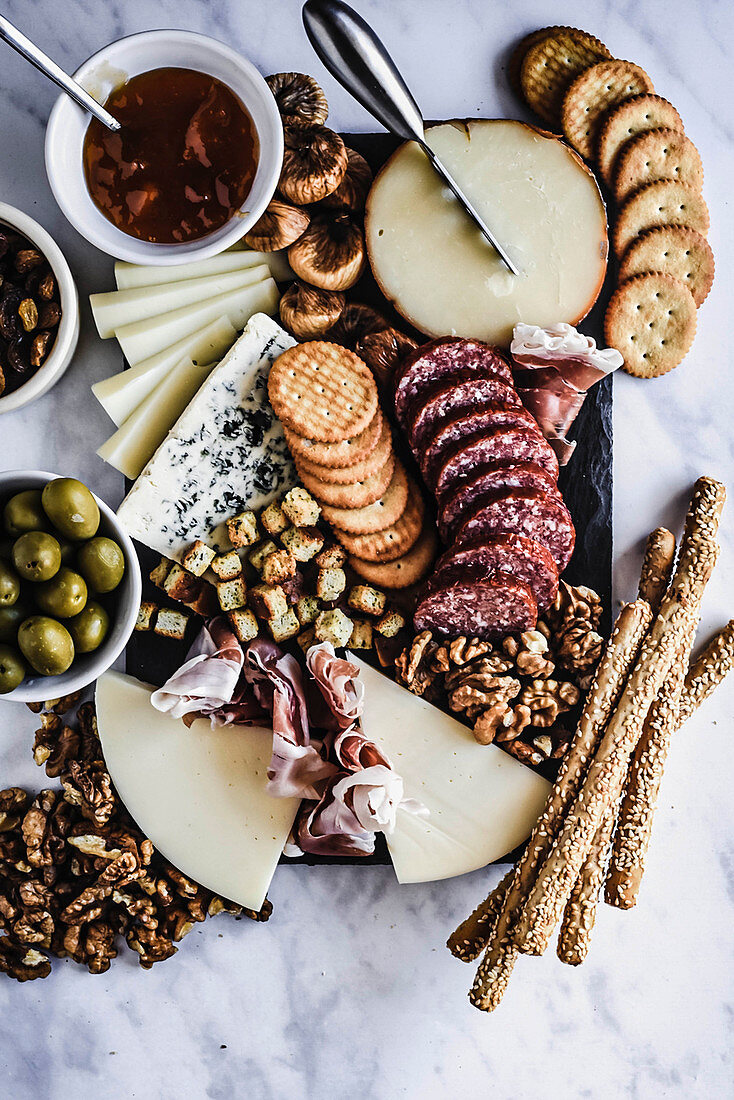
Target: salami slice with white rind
(490, 479)
(483, 418)
(504, 445)
(530, 512)
(447, 400)
(516, 555)
(440, 359)
(478, 607)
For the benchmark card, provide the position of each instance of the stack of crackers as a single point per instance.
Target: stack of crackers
(326, 398)
(608, 111)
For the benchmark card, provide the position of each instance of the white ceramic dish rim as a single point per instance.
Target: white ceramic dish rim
(67, 125)
(67, 335)
(88, 666)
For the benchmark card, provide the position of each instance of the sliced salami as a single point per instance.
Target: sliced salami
(504, 445)
(517, 555)
(486, 480)
(439, 359)
(466, 603)
(447, 400)
(530, 512)
(483, 418)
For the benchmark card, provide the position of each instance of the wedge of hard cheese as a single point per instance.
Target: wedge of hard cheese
(482, 803)
(198, 794)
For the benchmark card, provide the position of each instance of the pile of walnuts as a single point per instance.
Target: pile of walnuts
(519, 693)
(77, 875)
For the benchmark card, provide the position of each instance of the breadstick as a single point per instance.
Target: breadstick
(657, 567)
(606, 776)
(618, 658)
(471, 937)
(707, 671)
(580, 912)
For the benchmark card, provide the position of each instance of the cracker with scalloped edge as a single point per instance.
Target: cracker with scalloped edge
(672, 250)
(660, 154)
(651, 321)
(551, 65)
(592, 94)
(662, 203)
(631, 117)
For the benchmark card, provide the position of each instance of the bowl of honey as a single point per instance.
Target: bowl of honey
(197, 158)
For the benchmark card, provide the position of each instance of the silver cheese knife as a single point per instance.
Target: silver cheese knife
(356, 57)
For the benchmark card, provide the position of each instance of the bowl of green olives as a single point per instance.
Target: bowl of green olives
(69, 586)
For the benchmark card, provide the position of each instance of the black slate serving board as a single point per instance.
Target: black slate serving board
(586, 484)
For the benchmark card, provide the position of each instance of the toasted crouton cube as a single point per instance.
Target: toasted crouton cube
(335, 627)
(300, 507)
(390, 624)
(232, 594)
(330, 583)
(268, 601)
(307, 610)
(161, 571)
(361, 635)
(244, 625)
(274, 519)
(368, 600)
(146, 614)
(285, 626)
(278, 567)
(331, 557)
(257, 556)
(242, 529)
(227, 566)
(171, 623)
(303, 542)
(198, 558)
(306, 639)
(180, 585)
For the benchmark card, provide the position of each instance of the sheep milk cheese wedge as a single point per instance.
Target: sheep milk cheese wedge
(225, 454)
(120, 394)
(144, 338)
(117, 308)
(482, 802)
(128, 276)
(136, 441)
(198, 793)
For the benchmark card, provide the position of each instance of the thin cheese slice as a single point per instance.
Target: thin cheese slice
(534, 192)
(123, 307)
(128, 276)
(145, 338)
(198, 794)
(136, 441)
(120, 394)
(482, 803)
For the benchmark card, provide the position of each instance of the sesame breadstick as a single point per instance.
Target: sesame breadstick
(657, 567)
(707, 671)
(618, 658)
(471, 937)
(580, 914)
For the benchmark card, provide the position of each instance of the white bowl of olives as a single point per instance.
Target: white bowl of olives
(69, 586)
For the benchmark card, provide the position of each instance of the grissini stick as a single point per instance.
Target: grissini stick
(707, 671)
(657, 567)
(472, 935)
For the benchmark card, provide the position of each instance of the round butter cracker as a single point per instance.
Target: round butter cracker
(662, 203)
(357, 471)
(392, 542)
(651, 320)
(632, 116)
(358, 494)
(344, 452)
(322, 391)
(551, 65)
(405, 570)
(595, 92)
(672, 250)
(382, 513)
(660, 154)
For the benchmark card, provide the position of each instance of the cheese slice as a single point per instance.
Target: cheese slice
(128, 276)
(198, 794)
(144, 338)
(137, 439)
(120, 394)
(123, 307)
(534, 192)
(482, 803)
(226, 453)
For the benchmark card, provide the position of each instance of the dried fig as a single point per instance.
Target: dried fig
(314, 162)
(308, 312)
(279, 227)
(355, 322)
(384, 351)
(298, 97)
(353, 189)
(330, 254)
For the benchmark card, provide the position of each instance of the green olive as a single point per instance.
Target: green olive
(46, 645)
(9, 585)
(89, 628)
(24, 512)
(12, 669)
(71, 508)
(64, 595)
(36, 556)
(101, 563)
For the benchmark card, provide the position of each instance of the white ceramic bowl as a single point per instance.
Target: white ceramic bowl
(67, 334)
(87, 666)
(105, 71)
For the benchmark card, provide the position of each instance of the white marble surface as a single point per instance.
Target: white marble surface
(349, 988)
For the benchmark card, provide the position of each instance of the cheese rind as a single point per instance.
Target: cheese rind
(535, 193)
(225, 454)
(482, 802)
(199, 794)
(128, 276)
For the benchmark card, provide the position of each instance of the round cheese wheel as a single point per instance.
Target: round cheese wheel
(535, 194)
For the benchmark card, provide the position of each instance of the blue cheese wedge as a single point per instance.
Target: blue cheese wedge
(226, 453)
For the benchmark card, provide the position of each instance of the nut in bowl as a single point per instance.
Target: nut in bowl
(69, 586)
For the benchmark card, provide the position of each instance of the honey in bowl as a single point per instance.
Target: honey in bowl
(183, 163)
